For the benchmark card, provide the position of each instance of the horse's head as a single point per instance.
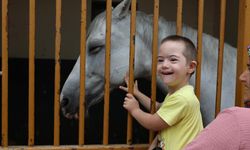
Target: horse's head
(95, 60)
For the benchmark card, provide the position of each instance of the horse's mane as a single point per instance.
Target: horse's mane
(144, 27)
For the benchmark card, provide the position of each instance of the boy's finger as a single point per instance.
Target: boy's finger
(135, 82)
(126, 80)
(123, 88)
(129, 94)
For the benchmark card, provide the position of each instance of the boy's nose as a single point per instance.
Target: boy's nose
(165, 64)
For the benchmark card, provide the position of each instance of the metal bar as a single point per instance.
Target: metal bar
(199, 47)
(131, 65)
(5, 73)
(107, 72)
(220, 56)
(154, 63)
(243, 41)
(82, 71)
(31, 72)
(179, 17)
(57, 74)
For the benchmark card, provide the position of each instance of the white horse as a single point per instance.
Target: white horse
(95, 60)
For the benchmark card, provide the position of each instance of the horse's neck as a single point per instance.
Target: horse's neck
(145, 28)
(166, 28)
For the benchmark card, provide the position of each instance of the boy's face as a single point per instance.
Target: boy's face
(172, 65)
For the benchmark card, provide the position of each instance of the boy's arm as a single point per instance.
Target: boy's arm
(147, 120)
(143, 99)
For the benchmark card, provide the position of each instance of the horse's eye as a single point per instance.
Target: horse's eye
(95, 49)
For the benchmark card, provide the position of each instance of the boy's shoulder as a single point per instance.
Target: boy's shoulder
(185, 90)
(186, 94)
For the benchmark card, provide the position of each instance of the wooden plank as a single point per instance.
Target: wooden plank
(31, 72)
(82, 72)
(220, 56)
(84, 147)
(57, 74)
(107, 72)
(131, 65)
(179, 17)
(199, 48)
(4, 73)
(154, 63)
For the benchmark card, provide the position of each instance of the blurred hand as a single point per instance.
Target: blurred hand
(130, 103)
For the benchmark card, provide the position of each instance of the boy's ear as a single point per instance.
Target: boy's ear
(192, 66)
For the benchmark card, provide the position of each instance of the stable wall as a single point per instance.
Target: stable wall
(45, 23)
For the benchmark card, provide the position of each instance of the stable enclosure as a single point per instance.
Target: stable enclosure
(41, 41)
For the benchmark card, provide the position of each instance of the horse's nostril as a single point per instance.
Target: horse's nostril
(64, 102)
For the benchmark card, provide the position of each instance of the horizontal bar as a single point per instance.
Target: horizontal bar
(85, 147)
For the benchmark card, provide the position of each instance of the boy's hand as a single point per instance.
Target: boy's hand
(130, 103)
(126, 81)
(126, 88)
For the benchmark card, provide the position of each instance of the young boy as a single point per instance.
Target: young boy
(178, 118)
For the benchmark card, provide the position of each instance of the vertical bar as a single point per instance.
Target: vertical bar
(31, 72)
(199, 47)
(179, 17)
(154, 62)
(131, 65)
(243, 41)
(107, 72)
(82, 71)
(57, 74)
(220, 56)
(4, 73)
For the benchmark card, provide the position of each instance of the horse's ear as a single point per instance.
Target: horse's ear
(121, 9)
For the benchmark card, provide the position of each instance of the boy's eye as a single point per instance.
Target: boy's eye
(173, 59)
(160, 60)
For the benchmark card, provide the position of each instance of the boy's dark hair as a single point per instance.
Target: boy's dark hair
(190, 50)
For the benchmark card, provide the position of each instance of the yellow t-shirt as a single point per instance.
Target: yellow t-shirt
(181, 111)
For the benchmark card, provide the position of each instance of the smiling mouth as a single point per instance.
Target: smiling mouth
(166, 73)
